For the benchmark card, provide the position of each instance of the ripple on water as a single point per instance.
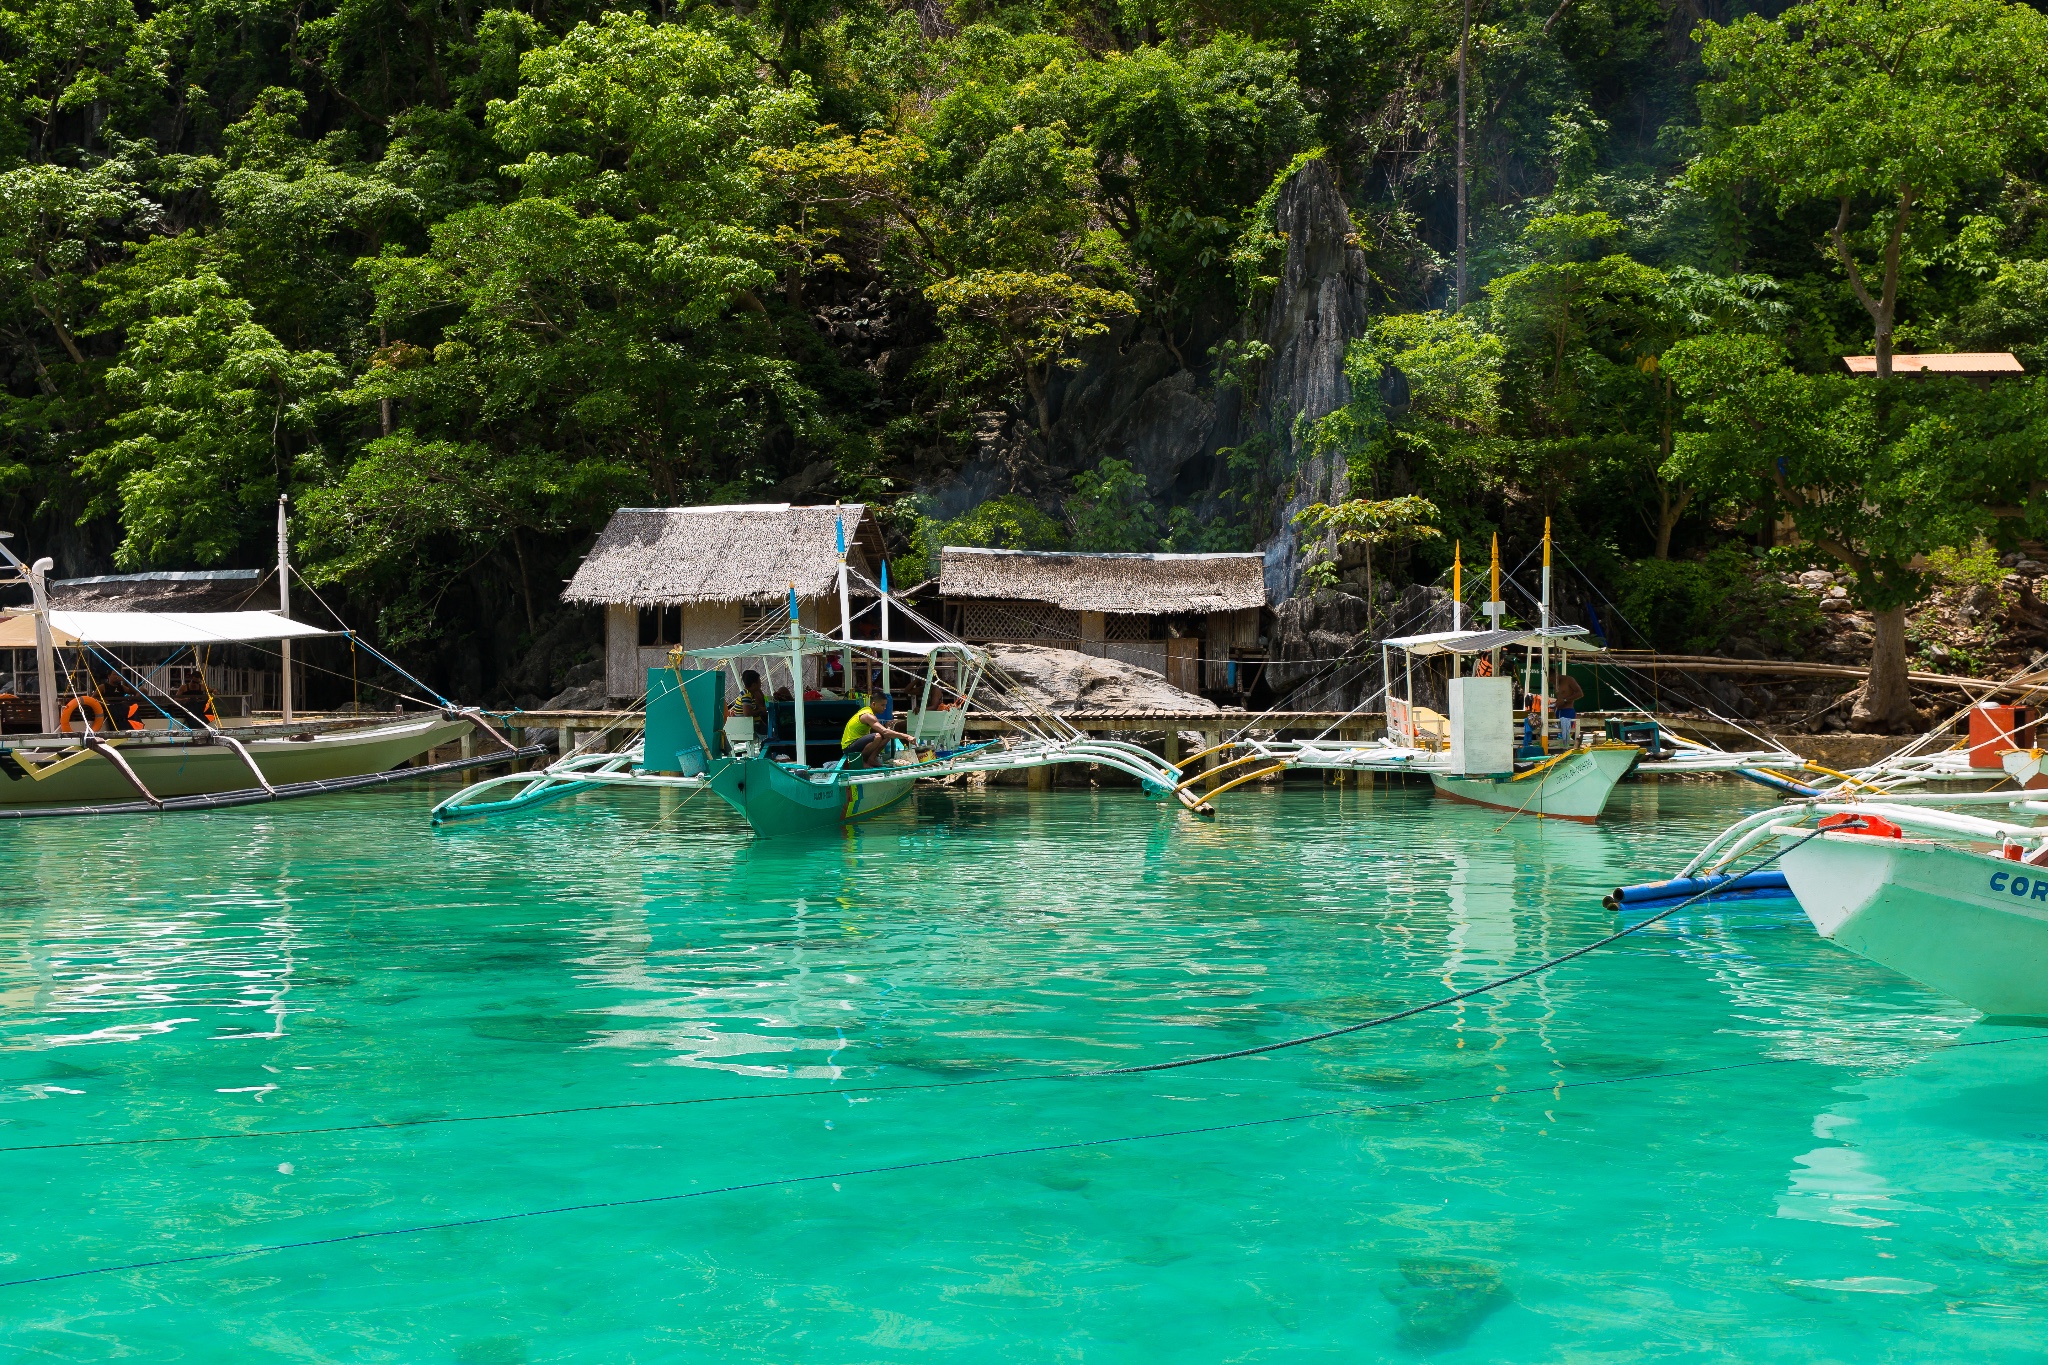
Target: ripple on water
(1528, 1176)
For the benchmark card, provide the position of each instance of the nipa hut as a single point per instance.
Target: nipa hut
(703, 576)
(1192, 618)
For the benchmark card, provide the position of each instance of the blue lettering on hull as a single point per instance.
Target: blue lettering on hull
(2020, 887)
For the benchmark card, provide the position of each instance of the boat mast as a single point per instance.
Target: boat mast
(885, 625)
(1457, 602)
(284, 604)
(796, 677)
(46, 649)
(1543, 660)
(1495, 608)
(845, 609)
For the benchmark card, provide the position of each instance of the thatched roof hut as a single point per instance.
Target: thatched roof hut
(1125, 584)
(1189, 618)
(749, 553)
(701, 576)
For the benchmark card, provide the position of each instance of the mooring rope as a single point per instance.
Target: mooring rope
(1042, 1149)
(385, 1125)
(1439, 1003)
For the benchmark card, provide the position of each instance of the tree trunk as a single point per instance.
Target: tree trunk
(1886, 706)
(525, 584)
(1036, 385)
(1669, 510)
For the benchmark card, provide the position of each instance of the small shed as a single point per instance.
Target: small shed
(704, 576)
(1980, 366)
(1188, 617)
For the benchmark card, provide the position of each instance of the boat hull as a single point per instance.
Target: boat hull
(1575, 787)
(1946, 917)
(775, 801)
(207, 769)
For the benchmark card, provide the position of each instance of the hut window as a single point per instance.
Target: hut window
(661, 625)
(1017, 621)
(1118, 626)
(754, 613)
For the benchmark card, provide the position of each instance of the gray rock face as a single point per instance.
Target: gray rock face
(1325, 645)
(1318, 309)
(1134, 397)
(1064, 681)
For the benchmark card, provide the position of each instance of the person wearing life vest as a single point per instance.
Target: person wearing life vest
(867, 734)
(752, 700)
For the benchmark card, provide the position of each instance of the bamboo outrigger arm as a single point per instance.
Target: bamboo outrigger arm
(241, 750)
(113, 756)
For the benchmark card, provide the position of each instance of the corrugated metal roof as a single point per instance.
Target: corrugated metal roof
(1955, 362)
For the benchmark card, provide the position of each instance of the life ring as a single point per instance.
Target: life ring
(96, 721)
(1875, 826)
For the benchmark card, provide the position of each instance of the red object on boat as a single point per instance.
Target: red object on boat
(1994, 729)
(1873, 825)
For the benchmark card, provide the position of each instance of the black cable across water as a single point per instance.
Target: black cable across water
(387, 1125)
(1439, 1003)
(1042, 1149)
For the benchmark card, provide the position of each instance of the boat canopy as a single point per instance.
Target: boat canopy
(1568, 638)
(18, 629)
(811, 642)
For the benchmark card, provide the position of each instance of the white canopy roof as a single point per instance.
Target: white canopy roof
(18, 629)
(1568, 638)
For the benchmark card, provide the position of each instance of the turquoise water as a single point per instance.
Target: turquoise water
(1721, 1140)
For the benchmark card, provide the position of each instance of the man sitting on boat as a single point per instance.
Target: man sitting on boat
(752, 701)
(867, 734)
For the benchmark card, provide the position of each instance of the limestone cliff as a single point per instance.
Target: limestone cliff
(1317, 310)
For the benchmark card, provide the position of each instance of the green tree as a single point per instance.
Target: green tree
(1887, 113)
(1109, 511)
(217, 418)
(1025, 320)
(1874, 474)
(1585, 331)
(1367, 523)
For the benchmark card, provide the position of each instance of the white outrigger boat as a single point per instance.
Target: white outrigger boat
(1471, 753)
(785, 777)
(1950, 889)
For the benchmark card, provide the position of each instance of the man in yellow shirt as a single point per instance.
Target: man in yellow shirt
(867, 735)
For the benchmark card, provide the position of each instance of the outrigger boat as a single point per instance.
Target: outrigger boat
(1471, 754)
(170, 753)
(1956, 899)
(786, 777)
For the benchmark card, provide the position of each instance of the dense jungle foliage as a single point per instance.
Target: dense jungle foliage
(463, 277)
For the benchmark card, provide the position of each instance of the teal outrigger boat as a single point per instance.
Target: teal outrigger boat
(783, 771)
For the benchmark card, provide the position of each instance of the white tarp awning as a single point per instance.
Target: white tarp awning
(1563, 638)
(18, 631)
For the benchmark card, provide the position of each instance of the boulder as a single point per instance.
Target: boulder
(584, 690)
(1065, 681)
